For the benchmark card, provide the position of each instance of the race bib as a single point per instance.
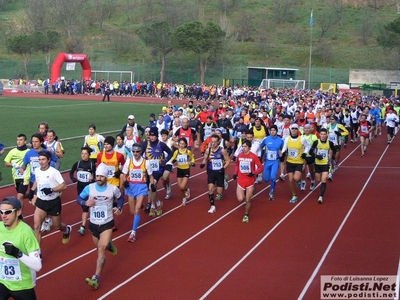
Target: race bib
(10, 269)
(83, 176)
(364, 129)
(182, 159)
(244, 167)
(99, 213)
(323, 153)
(332, 137)
(34, 165)
(94, 150)
(207, 132)
(111, 171)
(40, 193)
(136, 175)
(216, 164)
(293, 153)
(155, 164)
(271, 155)
(19, 174)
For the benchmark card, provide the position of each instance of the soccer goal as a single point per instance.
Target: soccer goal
(113, 75)
(283, 83)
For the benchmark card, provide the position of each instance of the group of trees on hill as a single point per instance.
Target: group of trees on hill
(203, 40)
(210, 29)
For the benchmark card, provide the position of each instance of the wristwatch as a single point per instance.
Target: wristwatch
(20, 254)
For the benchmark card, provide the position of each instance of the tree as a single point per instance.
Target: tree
(45, 42)
(323, 51)
(366, 29)
(3, 3)
(38, 12)
(158, 37)
(24, 46)
(283, 10)
(68, 14)
(204, 41)
(389, 36)
(327, 21)
(338, 7)
(245, 28)
(102, 11)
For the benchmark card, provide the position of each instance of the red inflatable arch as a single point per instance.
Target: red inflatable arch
(67, 57)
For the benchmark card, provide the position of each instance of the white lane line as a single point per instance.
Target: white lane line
(118, 237)
(152, 220)
(265, 236)
(176, 248)
(74, 201)
(126, 203)
(328, 249)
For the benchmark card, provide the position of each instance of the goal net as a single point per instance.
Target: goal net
(113, 75)
(283, 83)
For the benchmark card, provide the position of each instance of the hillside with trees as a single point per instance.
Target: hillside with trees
(201, 40)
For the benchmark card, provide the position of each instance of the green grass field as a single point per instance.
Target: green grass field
(70, 120)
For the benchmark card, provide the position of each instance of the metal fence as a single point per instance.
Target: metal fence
(175, 72)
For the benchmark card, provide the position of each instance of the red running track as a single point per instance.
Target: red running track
(280, 254)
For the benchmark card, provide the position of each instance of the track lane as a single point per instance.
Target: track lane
(368, 243)
(178, 230)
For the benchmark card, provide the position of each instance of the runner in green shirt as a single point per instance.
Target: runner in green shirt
(19, 253)
(14, 159)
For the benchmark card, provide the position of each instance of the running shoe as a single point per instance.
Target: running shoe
(352, 141)
(245, 219)
(45, 227)
(152, 212)
(81, 230)
(282, 177)
(219, 197)
(93, 282)
(111, 247)
(184, 201)
(168, 188)
(159, 209)
(67, 235)
(320, 200)
(303, 185)
(187, 193)
(312, 185)
(169, 192)
(271, 197)
(132, 237)
(226, 182)
(345, 145)
(294, 199)
(212, 210)
(330, 177)
(308, 176)
(147, 209)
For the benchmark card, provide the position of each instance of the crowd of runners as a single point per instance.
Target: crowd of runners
(266, 135)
